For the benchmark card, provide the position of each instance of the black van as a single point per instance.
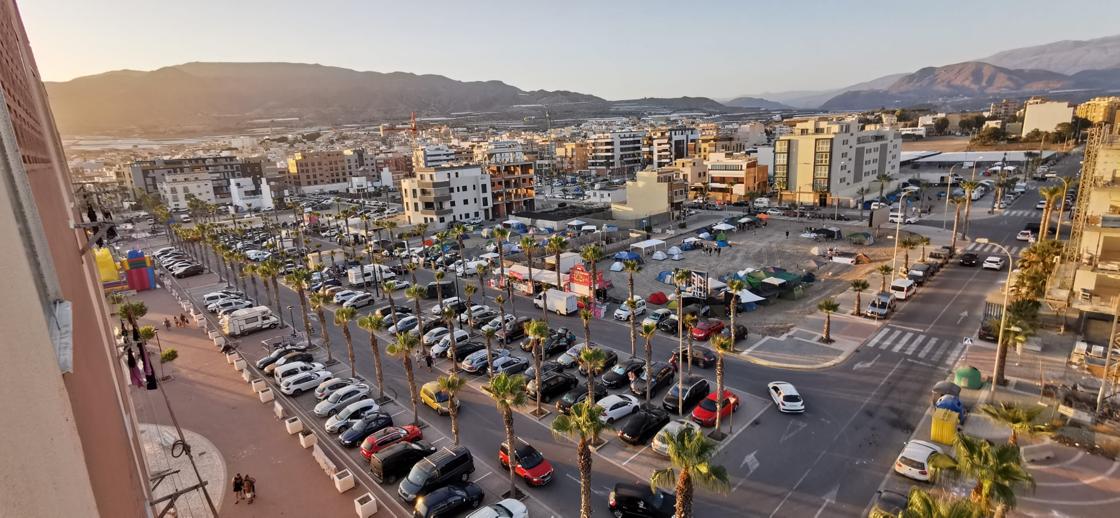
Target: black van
(449, 465)
(448, 288)
(392, 463)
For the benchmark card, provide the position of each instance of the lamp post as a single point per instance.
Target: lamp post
(898, 228)
(1001, 348)
(292, 319)
(948, 194)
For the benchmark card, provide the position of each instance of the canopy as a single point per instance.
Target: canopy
(746, 219)
(745, 297)
(715, 284)
(489, 256)
(512, 222)
(588, 228)
(576, 223)
(691, 239)
(648, 245)
(723, 226)
(627, 256)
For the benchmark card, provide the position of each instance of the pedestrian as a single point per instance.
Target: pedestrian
(718, 250)
(238, 487)
(428, 360)
(250, 487)
(184, 317)
(787, 234)
(166, 323)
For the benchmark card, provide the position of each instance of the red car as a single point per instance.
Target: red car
(531, 465)
(389, 436)
(705, 413)
(706, 329)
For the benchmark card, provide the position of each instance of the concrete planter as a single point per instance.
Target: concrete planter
(293, 425)
(365, 506)
(239, 364)
(220, 342)
(308, 439)
(258, 385)
(231, 357)
(213, 335)
(246, 375)
(343, 481)
(266, 395)
(278, 409)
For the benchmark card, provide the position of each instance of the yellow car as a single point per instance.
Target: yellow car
(436, 399)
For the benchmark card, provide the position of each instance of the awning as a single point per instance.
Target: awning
(723, 226)
(647, 245)
(589, 228)
(521, 272)
(576, 223)
(717, 185)
(745, 296)
(489, 256)
(512, 222)
(746, 219)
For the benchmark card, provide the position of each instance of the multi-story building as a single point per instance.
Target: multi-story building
(616, 152)
(823, 160)
(72, 445)
(247, 194)
(1004, 109)
(513, 187)
(692, 171)
(735, 177)
(148, 174)
(500, 151)
(1099, 110)
(571, 157)
(662, 146)
(326, 171)
(433, 156)
(177, 189)
(1043, 115)
(652, 194)
(440, 196)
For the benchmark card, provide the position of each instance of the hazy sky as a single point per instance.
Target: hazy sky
(612, 48)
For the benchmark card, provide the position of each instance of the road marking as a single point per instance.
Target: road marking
(887, 342)
(901, 342)
(964, 315)
(908, 328)
(1064, 463)
(398, 413)
(632, 457)
(914, 345)
(829, 498)
(952, 357)
(792, 428)
(922, 363)
(879, 336)
(751, 462)
(929, 347)
(866, 364)
(951, 301)
(1084, 481)
(479, 479)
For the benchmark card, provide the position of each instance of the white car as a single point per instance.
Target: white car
(401, 285)
(345, 295)
(657, 316)
(218, 296)
(895, 218)
(498, 323)
(475, 312)
(913, 462)
(301, 383)
(241, 304)
(434, 335)
(617, 406)
(659, 445)
(775, 212)
(283, 372)
(993, 262)
(226, 303)
(332, 385)
(340, 398)
(1024, 235)
(1040, 205)
(440, 348)
(508, 508)
(786, 397)
(358, 301)
(349, 415)
(623, 311)
(437, 309)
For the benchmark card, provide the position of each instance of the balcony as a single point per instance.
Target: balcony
(1096, 290)
(1104, 220)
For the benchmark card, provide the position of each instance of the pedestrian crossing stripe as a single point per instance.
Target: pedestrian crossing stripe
(898, 346)
(991, 248)
(928, 348)
(914, 344)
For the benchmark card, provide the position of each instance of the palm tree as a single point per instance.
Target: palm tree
(592, 254)
(968, 186)
(501, 300)
(388, 287)
(480, 269)
(859, 286)
(132, 311)
(1019, 418)
(592, 359)
(456, 232)
(451, 385)
(469, 290)
(508, 393)
(272, 271)
(883, 180)
(402, 349)
(735, 286)
(862, 192)
(631, 266)
(537, 331)
(921, 504)
(342, 318)
(440, 275)
(1062, 208)
(885, 271)
(957, 202)
(416, 294)
(690, 321)
(583, 423)
(488, 335)
(449, 318)
(528, 245)
(585, 316)
(318, 303)
(690, 461)
(1050, 194)
(648, 330)
(907, 244)
(921, 241)
(996, 469)
(501, 236)
(557, 245)
(300, 279)
(374, 323)
(680, 279)
(828, 306)
(722, 345)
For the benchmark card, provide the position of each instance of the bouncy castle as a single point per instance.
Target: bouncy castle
(134, 272)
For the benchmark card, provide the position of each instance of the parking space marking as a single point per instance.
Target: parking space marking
(398, 413)
(479, 479)
(632, 457)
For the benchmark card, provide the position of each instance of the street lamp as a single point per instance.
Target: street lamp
(292, 319)
(898, 228)
(1001, 348)
(948, 194)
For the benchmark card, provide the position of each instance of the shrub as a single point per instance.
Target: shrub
(168, 355)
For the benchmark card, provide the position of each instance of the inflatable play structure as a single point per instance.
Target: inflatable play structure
(134, 272)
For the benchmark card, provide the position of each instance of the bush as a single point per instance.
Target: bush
(168, 355)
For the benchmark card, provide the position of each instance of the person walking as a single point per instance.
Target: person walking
(428, 360)
(787, 234)
(166, 323)
(183, 316)
(238, 487)
(250, 487)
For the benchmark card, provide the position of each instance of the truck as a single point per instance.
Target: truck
(249, 320)
(368, 274)
(567, 261)
(761, 203)
(560, 302)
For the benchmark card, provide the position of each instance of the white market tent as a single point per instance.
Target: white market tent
(724, 226)
(577, 223)
(745, 296)
(648, 246)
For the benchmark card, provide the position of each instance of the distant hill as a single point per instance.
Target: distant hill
(1066, 57)
(209, 97)
(814, 98)
(755, 102)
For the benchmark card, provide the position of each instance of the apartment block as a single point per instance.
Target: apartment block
(250, 194)
(1096, 281)
(571, 157)
(1005, 109)
(513, 187)
(653, 193)
(663, 146)
(616, 152)
(176, 189)
(692, 171)
(148, 174)
(434, 156)
(326, 171)
(830, 160)
(1099, 110)
(735, 176)
(1043, 115)
(440, 196)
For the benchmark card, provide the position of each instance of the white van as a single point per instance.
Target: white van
(903, 288)
(369, 274)
(248, 320)
(762, 203)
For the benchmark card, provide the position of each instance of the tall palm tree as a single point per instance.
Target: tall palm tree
(690, 321)
(457, 232)
(318, 304)
(270, 269)
(1020, 419)
(537, 331)
(501, 236)
(680, 279)
(957, 201)
(557, 245)
(922, 504)
(481, 269)
(416, 294)
(132, 311)
(451, 385)
(388, 287)
(585, 316)
(402, 348)
(859, 286)
(690, 462)
(883, 180)
(488, 336)
(373, 324)
(529, 245)
(884, 271)
(1062, 208)
(592, 359)
(735, 286)
(828, 307)
(501, 301)
(631, 266)
(342, 318)
(648, 330)
(449, 318)
(923, 242)
(968, 186)
(907, 244)
(300, 279)
(1050, 194)
(469, 290)
(721, 345)
(440, 275)
(250, 271)
(996, 469)
(592, 254)
(508, 393)
(585, 424)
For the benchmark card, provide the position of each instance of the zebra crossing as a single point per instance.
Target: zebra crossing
(927, 349)
(1022, 213)
(981, 248)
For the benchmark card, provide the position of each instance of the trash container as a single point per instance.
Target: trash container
(968, 377)
(944, 426)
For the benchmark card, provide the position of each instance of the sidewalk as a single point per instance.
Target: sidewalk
(801, 348)
(210, 399)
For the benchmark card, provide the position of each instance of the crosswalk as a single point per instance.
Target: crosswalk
(980, 248)
(929, 349)
(1022, 213)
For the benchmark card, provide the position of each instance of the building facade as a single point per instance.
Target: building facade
(1045, 115)
(176, 189)
(824, 161)
(663, 146)
(433, 156)
(72, 447)
(571, 157)
(734, 177)
(1099, 110)
(651, 194)
(148, 174)
(1005, 109)
(616, 152)
(513, 187)
(441, 196)
(250, 194)
(325, 171)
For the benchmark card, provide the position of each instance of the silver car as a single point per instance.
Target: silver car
(332, 385)
(340, 398)
(349, 415)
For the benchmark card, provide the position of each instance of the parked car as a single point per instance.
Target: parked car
(706, 329)
(443, 346)
(553, 384)
(449, 465)
(638, 500)
(290, 369)
(619, 375)
(705, 413)
(509, 365)
(701, 357)
(276, 354)
(475, 362)
(659, 445)
(695, 389)
(646, 421)
(913, 462)
(360, 300)
(340, 398)
(513, 331)
(498, 323)
(739, 333)
(787, 398)
(656, 316)
(624, 311)
(508, 508)
(434, 398)
(609, 359)
(328, 387)
(187, 271)
(405, 324)
(571, 356)
(530, 463)
(578, 394)
(617, 406)
(662, 375)
(286, 358)
(369, 423)
(389, 436)
(301, 383)
(352, 413)
(449, 501)
(546, 367)
(342, 296)
(477, 312)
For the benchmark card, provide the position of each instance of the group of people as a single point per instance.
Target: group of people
(244, 487)
(180, 321)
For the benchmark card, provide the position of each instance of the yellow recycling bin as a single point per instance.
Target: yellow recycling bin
(944, 427)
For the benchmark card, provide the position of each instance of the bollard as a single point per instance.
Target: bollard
(293, 425)
(230, 357)
(246, 375)
(344, 481)
(278, 409)
(258, 385)
(308, 439)
(265, 395)
(365, 505)
(239, 364)
(213, 335)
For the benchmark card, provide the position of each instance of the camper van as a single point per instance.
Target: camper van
(368, 274)
(762, 203)
(903, 288)
(249, 320)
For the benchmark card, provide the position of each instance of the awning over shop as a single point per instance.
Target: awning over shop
(521, 272)
(577, 223)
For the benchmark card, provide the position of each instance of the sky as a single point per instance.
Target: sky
(616, 49)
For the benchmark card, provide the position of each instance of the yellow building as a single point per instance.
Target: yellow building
(1096, 279)
(1099, 109)
(652, 193)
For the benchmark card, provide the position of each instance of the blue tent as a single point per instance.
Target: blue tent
(627, 256)
(665, 277)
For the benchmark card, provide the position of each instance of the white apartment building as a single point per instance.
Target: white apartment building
(442, 195)
(1045, 115)
(823, 161)
(176, 187)
(751, 134)
(666, 145)
(619, 152)
(248, 194)
(500, 151)
(434, 155)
